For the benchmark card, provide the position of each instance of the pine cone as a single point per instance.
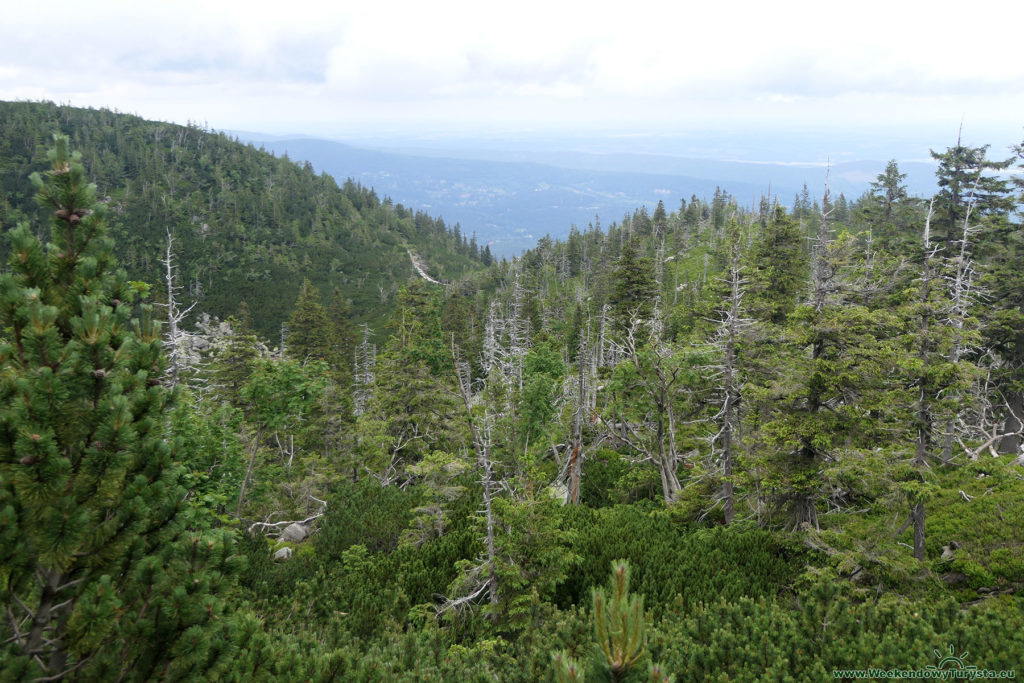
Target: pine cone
(29, 460)
(74, 220)
(62, 214)
(99, 374)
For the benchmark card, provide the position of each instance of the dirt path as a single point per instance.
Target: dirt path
(418, 265)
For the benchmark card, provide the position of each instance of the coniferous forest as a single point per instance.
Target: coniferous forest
(257, 425)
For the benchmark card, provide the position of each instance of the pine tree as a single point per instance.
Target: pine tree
(100, 576)
(726, 343)
(620, 628)
(339, 404)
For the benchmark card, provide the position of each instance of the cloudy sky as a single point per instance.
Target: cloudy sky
(345, 68)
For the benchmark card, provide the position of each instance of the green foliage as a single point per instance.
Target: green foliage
(364, 513)
(668, 559)
(209, 433)
(100, 570)
(619, 625)
(542, 373)
(246, 225)
(309, 329)
(437, 474)
(859, 386)
(281, 394)
(633, 288)
(534, 556)
(965, 180)
(767, 640)
(412, 409)
(778, 268)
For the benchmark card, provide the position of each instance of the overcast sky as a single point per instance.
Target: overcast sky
(346, 68)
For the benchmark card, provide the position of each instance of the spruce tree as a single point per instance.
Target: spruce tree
(99, 574)
(633, 286)
(309, 328)
(778, 268)
(890, 189)
(967, 181)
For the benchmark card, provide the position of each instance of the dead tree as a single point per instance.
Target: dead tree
(518, 327)
(657, 379)
(730, 328)
(507, 341)
(483, 578)
(363, 377)
(176, 341)
(962, 297)
(923, 405)
(582, 396)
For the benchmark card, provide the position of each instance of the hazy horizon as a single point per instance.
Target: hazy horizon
(744, 81)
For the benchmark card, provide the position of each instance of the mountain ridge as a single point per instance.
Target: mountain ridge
(247, 226)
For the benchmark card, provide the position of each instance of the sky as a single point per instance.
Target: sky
(348, 69)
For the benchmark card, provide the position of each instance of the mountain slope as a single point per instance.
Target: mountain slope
(246, 226)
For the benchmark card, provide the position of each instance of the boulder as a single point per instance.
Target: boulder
(954, 578)
(293, 533)
(283, 554)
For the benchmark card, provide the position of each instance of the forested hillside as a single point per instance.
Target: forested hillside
(246, 226)
(709, 443)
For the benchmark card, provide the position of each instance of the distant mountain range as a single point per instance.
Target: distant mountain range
(509, 199)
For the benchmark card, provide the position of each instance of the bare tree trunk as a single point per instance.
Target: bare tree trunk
(576, 459)
(248, 471)
(731, 390)
(962, 284)
(41, 636)
(923, 409)
(481, 434)
(729, 331)
(728, 504)
(1011, 443)
(174, 337)
(485, 464)
(917, 515)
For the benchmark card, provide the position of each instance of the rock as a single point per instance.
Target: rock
(293, 533)
(283, 554)
(947, 553)
(954, 578)
(559, 492)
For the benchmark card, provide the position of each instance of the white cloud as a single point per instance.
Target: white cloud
(595, 63)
